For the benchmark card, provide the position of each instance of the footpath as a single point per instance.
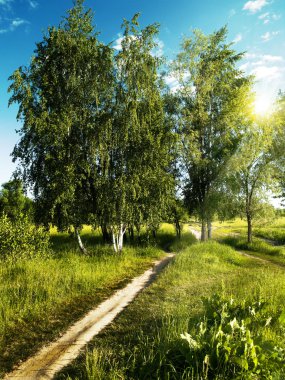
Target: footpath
(53, 357)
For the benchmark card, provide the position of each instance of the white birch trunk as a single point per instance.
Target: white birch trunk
(81, 246)
(118, 238)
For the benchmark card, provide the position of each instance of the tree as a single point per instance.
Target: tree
(13, 201)
(252, 170)
(136, 181)
(214, 104)
(64, 99)
(278, 145)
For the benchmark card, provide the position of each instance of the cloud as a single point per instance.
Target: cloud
(158, 50)
(237, 38)
(264, 15)
(172, 82)
(269, 35)
(267, 17)
(276, 17)
(118, 43)
(265, 67)
(232, 12)
(33, 4)
(254, 6)
(5, 2)
(17, 22)
(14, 24)
(272, 58)
(268, 73)
(266, 36)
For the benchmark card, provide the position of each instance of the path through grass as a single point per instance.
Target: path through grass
(40, 298)
(148, 345)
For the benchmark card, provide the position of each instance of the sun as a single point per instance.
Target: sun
(262, 105)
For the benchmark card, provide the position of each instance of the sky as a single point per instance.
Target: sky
(256, 27)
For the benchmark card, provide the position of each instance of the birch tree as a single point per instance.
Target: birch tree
(214, 97)
(137, 181)
(252, 170)
(63, 96)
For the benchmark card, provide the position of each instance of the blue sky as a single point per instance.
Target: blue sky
(256, 27)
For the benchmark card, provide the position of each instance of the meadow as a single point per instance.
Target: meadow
(41, 297)
(212, 314)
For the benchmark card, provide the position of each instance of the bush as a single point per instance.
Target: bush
(232, 341)
(22, 240)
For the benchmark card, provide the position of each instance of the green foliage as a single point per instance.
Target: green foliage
(22, 240)
(214, 101)
(231, 340)
(13, 202)
(63, 96)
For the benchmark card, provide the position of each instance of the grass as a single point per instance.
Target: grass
(142, 345)
(41, 297)
(275, 230)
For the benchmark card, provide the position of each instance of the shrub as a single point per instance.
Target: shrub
(231, 341)
(22, 240)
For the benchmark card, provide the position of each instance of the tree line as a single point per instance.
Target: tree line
(105, 141)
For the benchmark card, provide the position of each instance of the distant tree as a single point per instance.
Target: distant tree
(64, 98)
(13, 202)
(279, 142)
(214, 102)
(252, 170)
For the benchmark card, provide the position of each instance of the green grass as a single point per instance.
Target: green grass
(142, 345)
(275, 230)
(39, 298)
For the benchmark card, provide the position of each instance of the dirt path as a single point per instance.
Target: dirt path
(52, 358)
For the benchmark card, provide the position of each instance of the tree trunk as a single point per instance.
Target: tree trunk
(118, 238)
(79, 241)
(178, 228)
(209, 225)
(105, 234)
(249, 227)
(131, 233)
(203, 230)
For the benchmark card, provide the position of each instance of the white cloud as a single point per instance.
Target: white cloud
(17, 22)
(264, 15)
(266, 68)
(269, 35)
(5, 2)
(237, 38)
(172, 83)
(267, 17)
(276, 17)
(266, 36)
(267, 73)
(158, 50)
(272, 58)
(254, 6)
(14, 24)
(33, 4)
(118, 43)
(245, 66)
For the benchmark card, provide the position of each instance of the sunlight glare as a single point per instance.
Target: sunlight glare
(262, 105)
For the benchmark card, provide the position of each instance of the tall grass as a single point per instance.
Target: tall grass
(148, 345)
(41, 297)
